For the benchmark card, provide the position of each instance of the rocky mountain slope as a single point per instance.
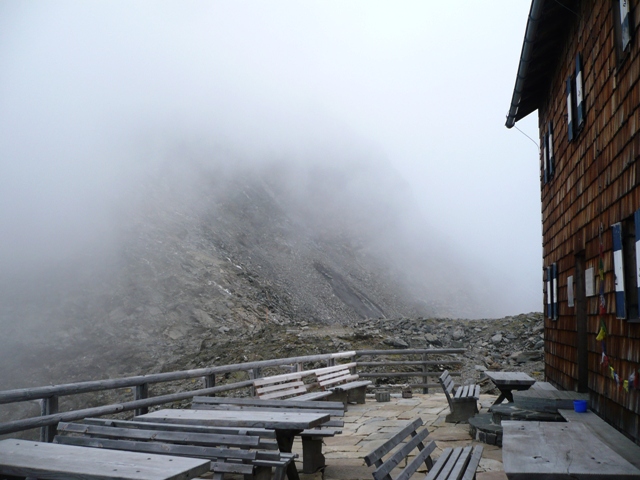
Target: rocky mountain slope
(207, 261)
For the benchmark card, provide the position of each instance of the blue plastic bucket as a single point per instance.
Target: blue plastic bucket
(580, 406)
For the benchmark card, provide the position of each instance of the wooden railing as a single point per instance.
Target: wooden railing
(49, 396)
(420, 358)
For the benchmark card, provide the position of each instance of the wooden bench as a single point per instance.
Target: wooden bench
(312, 439)
(458, 463)
(233, 452)
(342, 383)
(463, 403)
(286, 386)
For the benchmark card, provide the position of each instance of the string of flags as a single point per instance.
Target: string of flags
(633, 382)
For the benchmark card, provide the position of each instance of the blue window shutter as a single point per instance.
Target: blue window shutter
(579, 92)
(554, 271)
(569, 110)
(636, 218)
(548, 284)
(618, 270)
(625, 29)
(552, 158)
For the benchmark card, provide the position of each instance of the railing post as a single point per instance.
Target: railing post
(48, 406)
(253, 374)
(299, 367)
(210, 382)
(424, 370)
(142, 392)
(331, 362)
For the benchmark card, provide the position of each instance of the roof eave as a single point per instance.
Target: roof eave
(525, 59)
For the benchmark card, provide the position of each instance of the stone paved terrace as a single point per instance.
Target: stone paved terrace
(368, 425)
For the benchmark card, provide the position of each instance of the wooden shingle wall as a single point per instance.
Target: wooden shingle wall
(596, 183)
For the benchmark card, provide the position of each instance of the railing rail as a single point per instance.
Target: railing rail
(49, 395)
(24, 394)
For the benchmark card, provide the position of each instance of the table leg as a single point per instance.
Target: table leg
(285, 444)
(504, 394)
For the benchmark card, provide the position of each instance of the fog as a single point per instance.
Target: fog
(410, 97)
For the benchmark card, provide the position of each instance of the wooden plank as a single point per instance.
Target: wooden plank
(285, 377)
(607, 434)
(205, 406)
(440, 464)
(322, 371)
(311, 396)
(386, 447)
(24, 458)
(160, 448)
(338, 380)
(403, 452)
(510, 378)
(206, 439)
(352, 385)
(282, 393)
(238, 418)
(461, 463)
(272, 387)
(542, 450)
(181, 428)
(252, 401)
(470, 473)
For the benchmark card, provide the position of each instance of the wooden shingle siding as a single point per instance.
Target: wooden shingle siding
(595, 184)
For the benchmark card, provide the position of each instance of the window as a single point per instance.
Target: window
(548, 157)
(551, 285)
(626, 253)
(622, 27)
(575, 101)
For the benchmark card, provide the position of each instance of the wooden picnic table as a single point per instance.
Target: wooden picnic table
(286, 424)
(559, 450)
(506, 382)
(25, 458)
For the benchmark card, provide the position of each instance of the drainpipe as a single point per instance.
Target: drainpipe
(525, 58)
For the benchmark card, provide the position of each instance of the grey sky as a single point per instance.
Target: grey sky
(428, 83)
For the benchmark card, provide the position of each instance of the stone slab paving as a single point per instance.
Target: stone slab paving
(368, 426)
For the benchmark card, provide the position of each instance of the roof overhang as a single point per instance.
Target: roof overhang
(546, 30)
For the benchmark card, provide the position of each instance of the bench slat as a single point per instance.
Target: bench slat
(338, 380)
(439, 465)
(422, 458)
(211, 453)
(285, 377)
(402, 453)
(181, 427)
(207, 439)
(205, 406)
(322, 371)
(473, 463)
(352, 385)
(280, 386)
(461, 464)
(312, 396)
(386, 447)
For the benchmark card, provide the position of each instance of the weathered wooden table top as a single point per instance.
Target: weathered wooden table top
(510, 378)
(281, 420)
(24, 458)
(559, 450)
